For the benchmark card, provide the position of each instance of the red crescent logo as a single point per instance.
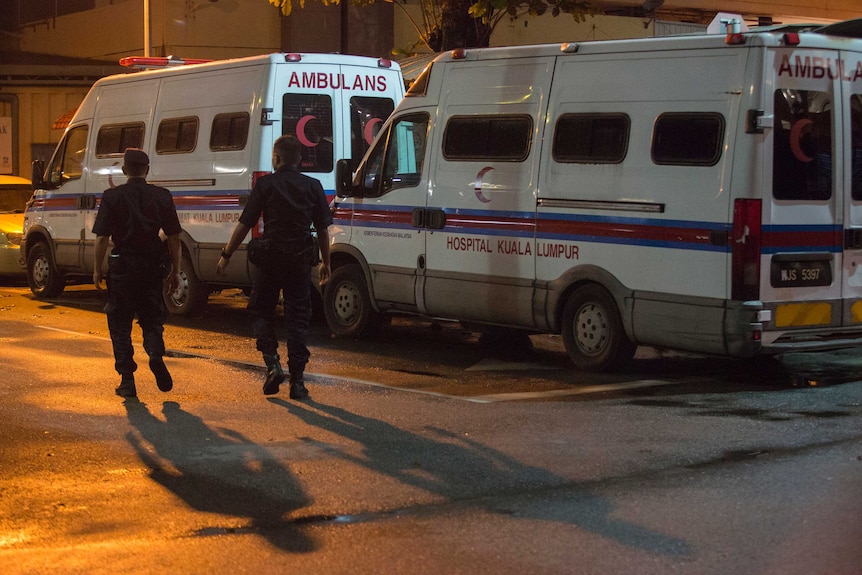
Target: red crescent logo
(478, 184)
(369, 132)
(110, 175)
(300, 131)
(796, 132)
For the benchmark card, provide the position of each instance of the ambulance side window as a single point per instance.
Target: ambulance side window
(802, 146)
(113, 139)
(229, 132)
(367, 115)
(591, 138)
(177, 135)
(309, 118)
(67, 163)
(856, 144)
(398, 159)
(688, 139)
(499, 137)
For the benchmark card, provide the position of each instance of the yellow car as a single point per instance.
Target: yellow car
(14, 193)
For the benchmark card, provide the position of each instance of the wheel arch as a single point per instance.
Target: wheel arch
(562, 288)
(37, 234)
(343, 255)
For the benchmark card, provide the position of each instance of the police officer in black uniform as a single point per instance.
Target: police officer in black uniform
(139, 267)
(290, 203)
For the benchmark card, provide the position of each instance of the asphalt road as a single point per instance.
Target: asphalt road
(421, 451)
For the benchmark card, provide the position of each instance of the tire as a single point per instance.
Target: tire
(346, 303)
(593, 332)
(45, 280)
(190, 298)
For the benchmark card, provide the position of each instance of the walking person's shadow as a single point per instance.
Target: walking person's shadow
(460, 469)
(219, 471)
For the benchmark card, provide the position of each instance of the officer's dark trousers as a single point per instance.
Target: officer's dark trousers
(293, 279)
(134, 289)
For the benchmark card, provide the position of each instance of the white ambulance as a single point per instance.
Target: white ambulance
(698, 193)
(208, 129)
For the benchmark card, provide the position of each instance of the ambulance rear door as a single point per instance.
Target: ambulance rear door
(334, 109)
(851, 144)
(804, 276)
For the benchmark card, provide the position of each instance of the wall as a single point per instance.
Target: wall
(184, 28)
(37, 107)
(544, 29)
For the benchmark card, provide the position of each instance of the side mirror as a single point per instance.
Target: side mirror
(38, 174)
(343, 179)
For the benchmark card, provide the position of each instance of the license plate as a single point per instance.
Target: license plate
(814, 271)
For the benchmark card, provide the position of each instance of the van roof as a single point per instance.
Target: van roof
(298, 58)
(812, 35)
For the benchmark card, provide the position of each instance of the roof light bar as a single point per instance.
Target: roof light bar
(157, 62)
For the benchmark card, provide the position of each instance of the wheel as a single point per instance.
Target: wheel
(191, 297)
(593, 332)
(42, 275)
(346, 303)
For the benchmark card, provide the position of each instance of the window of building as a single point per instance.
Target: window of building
(229, 132)
(501, 138)
(113, 139)
(688, 139)
(177, 135)
(591, 138)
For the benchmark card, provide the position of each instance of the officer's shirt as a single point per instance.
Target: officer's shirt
(290, 202)
(132, 215)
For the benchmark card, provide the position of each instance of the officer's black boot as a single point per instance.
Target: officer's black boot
(127, 386)
(160, 370)
(297, 387)
(274, 374)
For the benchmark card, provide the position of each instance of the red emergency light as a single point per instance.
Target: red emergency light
(292, 57)
(384, 63)
(791, 39)
(158, 62)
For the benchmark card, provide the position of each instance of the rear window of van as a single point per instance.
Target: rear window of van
(309, 118)
(802, 145)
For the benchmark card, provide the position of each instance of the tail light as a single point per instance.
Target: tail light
(745, 250)
(257, 230)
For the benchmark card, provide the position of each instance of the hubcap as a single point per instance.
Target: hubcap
(179, 295)
(346, 303)
(40, 271)
(591, 329)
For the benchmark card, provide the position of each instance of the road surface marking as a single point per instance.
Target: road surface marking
(500, 365)
(490, 398)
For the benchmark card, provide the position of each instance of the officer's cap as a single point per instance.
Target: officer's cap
(135, 157)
